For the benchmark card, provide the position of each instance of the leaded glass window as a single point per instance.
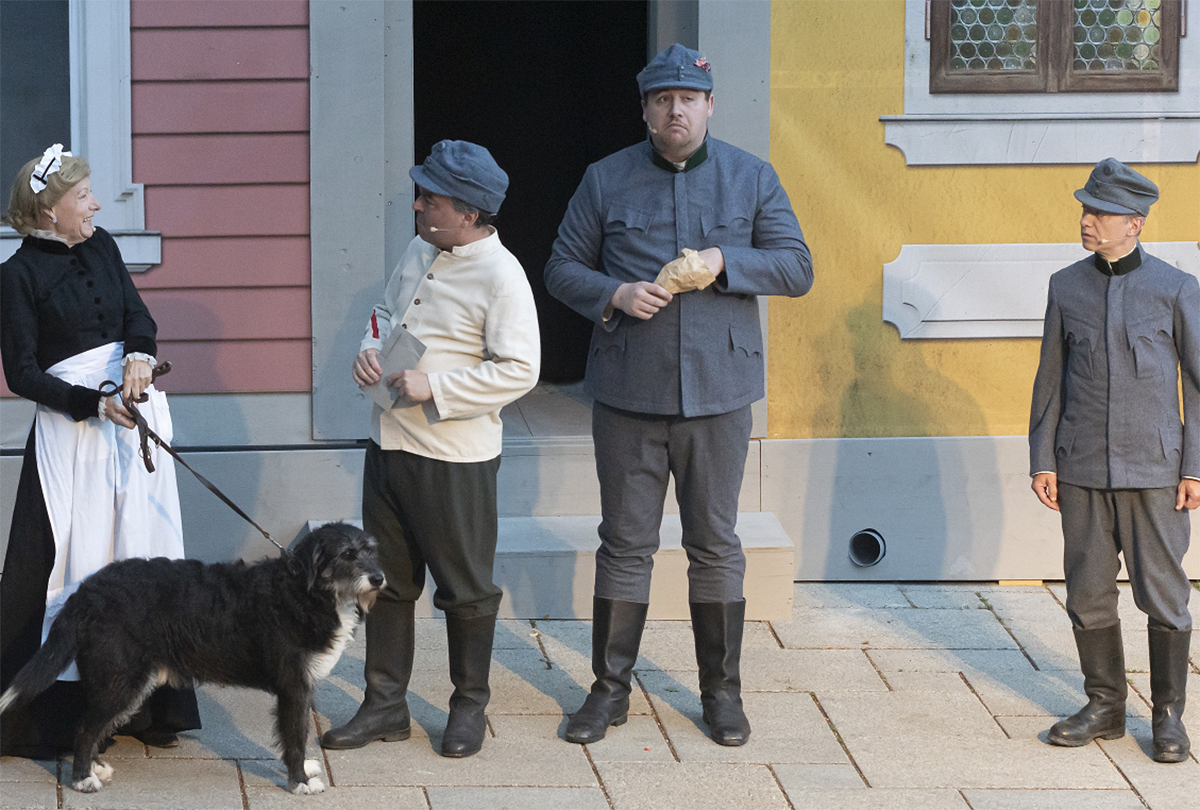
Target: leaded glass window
(1051, 46)
(1125, 35)
(993, 35)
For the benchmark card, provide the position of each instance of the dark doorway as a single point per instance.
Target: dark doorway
(547, 87)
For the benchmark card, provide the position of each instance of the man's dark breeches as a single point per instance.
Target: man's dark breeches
(1143, 526)
(634, 455)
(441, 514)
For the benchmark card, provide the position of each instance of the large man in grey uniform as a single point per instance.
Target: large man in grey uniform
(673, 376)
(1108, 451)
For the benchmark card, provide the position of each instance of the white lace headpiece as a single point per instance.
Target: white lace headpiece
(50, 163)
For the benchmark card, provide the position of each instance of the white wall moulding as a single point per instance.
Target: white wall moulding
(1032, 128)
(940, 140)
(987, 291)
(141, 250)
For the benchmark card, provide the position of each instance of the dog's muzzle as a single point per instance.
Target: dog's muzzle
(369, 587)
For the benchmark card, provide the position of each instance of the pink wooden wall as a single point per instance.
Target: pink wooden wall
(220, 141)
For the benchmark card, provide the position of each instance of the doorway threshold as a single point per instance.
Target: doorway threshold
(552, 414)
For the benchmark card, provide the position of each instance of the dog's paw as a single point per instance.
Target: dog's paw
(312, 786)
(102, 771)
(312, 768)
(89, 785)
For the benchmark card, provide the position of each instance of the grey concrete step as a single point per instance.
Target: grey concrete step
(546, 566)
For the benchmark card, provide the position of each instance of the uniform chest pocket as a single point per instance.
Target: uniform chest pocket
(1150, 341)
(1082, 339)
(622, 218)
(731, 224)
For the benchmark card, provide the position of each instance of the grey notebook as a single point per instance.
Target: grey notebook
(401, 351)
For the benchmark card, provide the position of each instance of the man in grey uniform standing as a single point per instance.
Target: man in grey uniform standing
(673, 376)
(1108, 451)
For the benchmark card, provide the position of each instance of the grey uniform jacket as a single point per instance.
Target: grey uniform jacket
(633, 213)
(1106, 398)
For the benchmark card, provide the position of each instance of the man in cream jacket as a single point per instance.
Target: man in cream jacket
(429, 478)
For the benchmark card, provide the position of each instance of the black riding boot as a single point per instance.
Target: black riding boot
(470, 646)
(1102, 659)
(717, 628)
(616, 635)
(383, 714)
(1168, 692)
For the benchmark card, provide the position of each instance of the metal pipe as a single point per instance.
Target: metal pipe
(867, 548)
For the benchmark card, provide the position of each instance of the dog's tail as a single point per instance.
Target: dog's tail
(46, 665)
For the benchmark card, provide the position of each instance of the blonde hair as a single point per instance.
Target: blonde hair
(25, 207)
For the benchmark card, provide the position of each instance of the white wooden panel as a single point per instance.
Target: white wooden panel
(955, 508)
(346, 193)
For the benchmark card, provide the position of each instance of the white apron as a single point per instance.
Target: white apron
(102, 503)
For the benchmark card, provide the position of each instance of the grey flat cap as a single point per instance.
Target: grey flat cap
(464, 170)
(1114, 188)
(677, 66)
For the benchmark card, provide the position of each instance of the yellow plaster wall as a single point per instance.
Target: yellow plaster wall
(836, 369)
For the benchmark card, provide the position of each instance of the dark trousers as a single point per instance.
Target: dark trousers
(635, 453)
(440, 514)
(1142, 526)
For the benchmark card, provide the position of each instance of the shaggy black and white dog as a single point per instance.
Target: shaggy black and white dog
(278, 625)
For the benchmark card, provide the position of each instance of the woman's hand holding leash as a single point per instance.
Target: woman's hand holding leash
(116, 413)
(137, 378)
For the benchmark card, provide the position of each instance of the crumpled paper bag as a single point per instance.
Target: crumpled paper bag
(688, 272)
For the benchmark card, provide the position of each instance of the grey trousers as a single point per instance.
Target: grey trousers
(440, 514)
(635, 453)
(1141, 525)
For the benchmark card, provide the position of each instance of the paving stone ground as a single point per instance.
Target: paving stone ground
(886, 696)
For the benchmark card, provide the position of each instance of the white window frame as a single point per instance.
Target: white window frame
(102, 128)
(1032, 128)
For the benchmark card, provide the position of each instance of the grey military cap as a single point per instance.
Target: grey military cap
(1114, 188)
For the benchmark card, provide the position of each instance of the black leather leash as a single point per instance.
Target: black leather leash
(108, 388)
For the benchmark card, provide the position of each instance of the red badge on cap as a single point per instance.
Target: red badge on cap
(703, 64)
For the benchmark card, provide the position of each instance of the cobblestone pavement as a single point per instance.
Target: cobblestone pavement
(872, 696)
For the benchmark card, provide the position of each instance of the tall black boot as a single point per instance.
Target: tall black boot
(616, 635)
(1168, 692)
(1102, 659)
(470, 646)
(717, 628)
(383, 714)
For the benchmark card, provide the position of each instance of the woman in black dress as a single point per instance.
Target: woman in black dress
(71, 318)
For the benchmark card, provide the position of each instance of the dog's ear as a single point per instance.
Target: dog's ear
(306, 554)
(319, 564)
(310, 573)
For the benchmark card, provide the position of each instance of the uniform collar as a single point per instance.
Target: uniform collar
(696, 158)
(479, 247)
(1127, 263)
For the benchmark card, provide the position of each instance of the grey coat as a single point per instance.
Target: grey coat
(1105, 409)
(703, 353)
